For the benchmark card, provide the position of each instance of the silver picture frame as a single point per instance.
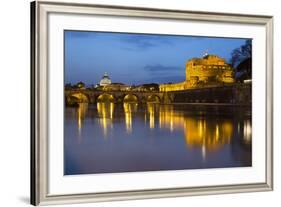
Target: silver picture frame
(39, 100)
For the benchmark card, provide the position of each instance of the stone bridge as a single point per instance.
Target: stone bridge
(236, 94)
(92, 96)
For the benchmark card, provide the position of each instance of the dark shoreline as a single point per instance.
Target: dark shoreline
(196, 104)
(211, 104)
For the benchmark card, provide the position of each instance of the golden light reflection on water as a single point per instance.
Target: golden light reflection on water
(208, 135)
(247, 132)
(105, 114)
(170, 119)
(129, 109)
(152, 109)
(199, 132)
(81, 113)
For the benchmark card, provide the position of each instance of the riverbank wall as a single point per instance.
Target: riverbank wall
(238, 94)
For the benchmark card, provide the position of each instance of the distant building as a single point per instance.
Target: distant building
(105, 80)
(208, 70)
(106, 85)
(80, 85)
(146, 87)
(116, 87)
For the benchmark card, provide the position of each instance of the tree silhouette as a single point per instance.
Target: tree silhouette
(241, 61)
(241, 53)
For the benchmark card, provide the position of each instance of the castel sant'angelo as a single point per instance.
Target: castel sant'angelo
(210, 70)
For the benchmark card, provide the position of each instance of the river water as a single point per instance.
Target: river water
(130, 137)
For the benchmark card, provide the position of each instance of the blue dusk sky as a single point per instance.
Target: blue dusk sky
(136, 58)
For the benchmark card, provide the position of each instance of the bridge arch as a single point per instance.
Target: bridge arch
(105, 97)
(75, 98)
(130, 98)
(153, 99)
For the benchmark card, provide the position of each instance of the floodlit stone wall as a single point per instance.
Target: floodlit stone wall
(210, 70)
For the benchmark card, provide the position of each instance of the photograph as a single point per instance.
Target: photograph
(133, 103)
(142, 102)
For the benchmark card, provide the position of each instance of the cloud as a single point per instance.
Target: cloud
(165, 74)
(147, 41)
(132, 41)
(161, 68)
(142, 42)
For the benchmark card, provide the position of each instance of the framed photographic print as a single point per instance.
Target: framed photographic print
(133, 103)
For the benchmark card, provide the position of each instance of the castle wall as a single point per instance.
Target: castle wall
(234, 94)
(209, 69)
(203, 72)
(174, 86)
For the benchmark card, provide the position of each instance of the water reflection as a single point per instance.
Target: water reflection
(81, 113)
(198, 130)
(152, 109)
(105, 116)
(155, 137)
(129, 109)
(210, 135)
(247, 131)
(170, 119)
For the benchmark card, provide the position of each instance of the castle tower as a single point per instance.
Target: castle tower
(209, 69)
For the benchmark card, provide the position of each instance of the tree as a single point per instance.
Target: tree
(241, 53)
(244, 70)
(241, 61)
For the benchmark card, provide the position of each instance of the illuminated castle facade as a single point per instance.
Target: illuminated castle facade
(210, 70)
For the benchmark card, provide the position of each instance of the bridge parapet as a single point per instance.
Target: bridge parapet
(114, 96)
(240, 94)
